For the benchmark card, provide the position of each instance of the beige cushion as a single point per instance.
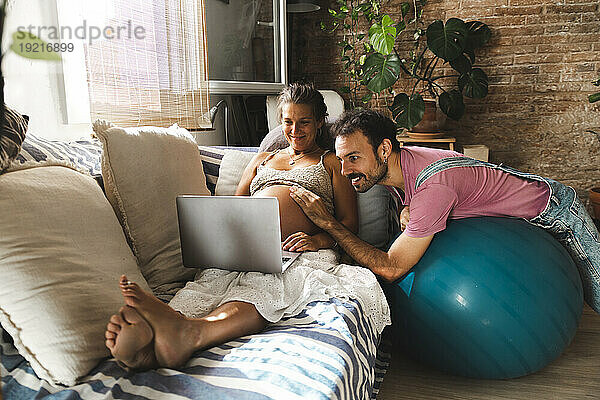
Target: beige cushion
(232, 167)
(62, 253)
(144, 170)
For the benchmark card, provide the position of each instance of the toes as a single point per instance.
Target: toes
(129, 286)
(130, 289)
(112, 327)
(125, 283)
(116, 319)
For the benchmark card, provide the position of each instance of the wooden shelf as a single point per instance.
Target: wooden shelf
(449, 140)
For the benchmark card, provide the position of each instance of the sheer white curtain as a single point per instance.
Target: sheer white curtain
(149, 67)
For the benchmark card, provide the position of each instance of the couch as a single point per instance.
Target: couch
(93, 209)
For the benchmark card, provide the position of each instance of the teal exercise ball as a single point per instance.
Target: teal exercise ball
(492, 298)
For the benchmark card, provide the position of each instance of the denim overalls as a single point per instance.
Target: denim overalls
(564, 217)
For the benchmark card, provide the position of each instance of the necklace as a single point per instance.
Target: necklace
(293, 160)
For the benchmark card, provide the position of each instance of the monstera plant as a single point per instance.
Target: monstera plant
(447, 55)
(440, 63)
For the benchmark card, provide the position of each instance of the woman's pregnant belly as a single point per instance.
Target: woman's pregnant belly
(291, 216)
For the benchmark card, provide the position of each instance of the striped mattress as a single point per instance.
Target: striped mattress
(329, 351)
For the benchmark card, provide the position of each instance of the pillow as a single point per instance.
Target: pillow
(144, 170)
(12, 136)
(233, 164)
(63, 252)
(211, 157)
(273, 140)
(84, 154)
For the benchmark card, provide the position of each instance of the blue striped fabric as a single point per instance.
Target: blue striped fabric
(329, 351)
(84, 154)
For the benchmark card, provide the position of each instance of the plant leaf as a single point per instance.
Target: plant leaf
(404, 9)
(478, 34)
(461, 64)
(447, 41)
(367, 97)
(474, 84)
(364, 7)
(381, 72)
(382, 36)
(594, 97)
(30, 46)
(408, 112)
(471, 54)
(451, 103)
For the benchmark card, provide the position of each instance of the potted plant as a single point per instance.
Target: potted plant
(440, 52)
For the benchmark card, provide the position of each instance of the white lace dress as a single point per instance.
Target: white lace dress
(314, 276)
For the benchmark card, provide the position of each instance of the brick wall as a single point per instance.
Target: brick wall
(540, 62)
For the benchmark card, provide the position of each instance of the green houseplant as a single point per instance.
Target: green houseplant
(439, 53)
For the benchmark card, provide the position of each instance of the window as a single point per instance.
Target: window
(144, 61)
(246, 46)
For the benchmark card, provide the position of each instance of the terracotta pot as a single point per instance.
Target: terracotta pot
(595, 201)
(429, 122)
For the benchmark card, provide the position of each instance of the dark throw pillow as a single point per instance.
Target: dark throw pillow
(12, 136)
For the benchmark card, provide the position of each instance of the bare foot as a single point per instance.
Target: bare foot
(129, 339)
(176, 337)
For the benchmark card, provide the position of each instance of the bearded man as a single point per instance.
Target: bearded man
(439, 185)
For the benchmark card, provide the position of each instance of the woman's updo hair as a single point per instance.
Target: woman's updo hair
(302, 93)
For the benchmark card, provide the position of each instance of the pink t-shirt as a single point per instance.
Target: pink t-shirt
(464, 192)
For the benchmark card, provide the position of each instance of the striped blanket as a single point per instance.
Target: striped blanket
(329, 351)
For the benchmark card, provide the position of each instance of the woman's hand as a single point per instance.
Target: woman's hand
(404, 217)
(300, 242)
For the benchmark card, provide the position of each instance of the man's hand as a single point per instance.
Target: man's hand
(312, 205)
(300, 242)
(404, 217)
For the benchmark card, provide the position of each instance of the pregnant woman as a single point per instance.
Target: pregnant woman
(223, 305)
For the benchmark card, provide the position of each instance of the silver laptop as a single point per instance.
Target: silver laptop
(237, 233)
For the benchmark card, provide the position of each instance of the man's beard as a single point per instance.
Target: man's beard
(371, 178)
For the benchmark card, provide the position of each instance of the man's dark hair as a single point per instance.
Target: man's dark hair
(373, 124)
